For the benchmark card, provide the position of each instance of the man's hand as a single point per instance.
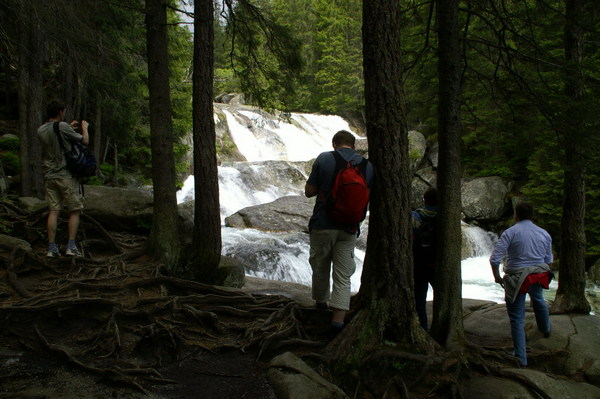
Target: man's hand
(499, 280)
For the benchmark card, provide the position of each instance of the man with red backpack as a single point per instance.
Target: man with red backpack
(341, 180)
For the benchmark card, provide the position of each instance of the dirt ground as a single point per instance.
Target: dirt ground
(110, 325)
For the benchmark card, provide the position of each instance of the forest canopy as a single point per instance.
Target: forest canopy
(513, 101)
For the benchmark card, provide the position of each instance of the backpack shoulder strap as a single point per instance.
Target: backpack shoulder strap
(340, 162)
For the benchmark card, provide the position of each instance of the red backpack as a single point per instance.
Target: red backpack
(347, 204)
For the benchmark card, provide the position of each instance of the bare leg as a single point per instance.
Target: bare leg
(73, 224)
(51, 226)
(338, 315)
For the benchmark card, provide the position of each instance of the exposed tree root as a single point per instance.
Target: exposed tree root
(113, 316)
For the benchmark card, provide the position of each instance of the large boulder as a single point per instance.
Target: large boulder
(120, 209)
(573, 349)
(362, 147)
(32, 204)
(593, 273)
(511, 388)
(230, 273)
(422, 180)
(290, 213)
(8, 243)
(417, 146)
(485, 198)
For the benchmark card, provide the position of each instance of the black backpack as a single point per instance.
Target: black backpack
(80, 160)
(424, 240)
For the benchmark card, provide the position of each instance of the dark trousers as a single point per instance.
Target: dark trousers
(423, 276)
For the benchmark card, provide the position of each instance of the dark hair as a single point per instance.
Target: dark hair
(54, 108)
(430, 196)
(344, 137)
(524, 211)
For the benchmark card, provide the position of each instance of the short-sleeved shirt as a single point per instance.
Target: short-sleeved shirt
(321, 176)
(525, 244)
(53, 158)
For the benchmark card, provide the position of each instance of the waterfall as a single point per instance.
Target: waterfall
(277, 152)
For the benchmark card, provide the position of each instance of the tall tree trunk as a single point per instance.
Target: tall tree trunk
(386, 310)
(97, 142)
(447, 327)
(570, 296)
(163, 241)
(31, 100)
(207, 220)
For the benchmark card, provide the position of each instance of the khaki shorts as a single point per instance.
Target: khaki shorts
(63, 192)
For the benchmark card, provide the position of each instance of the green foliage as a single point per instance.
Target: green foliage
(9, 144)
(9, 155)
(544, 188)
(225, 81)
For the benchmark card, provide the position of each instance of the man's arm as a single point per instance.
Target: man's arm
(310, 190)
(496, 273)
(84, 132)
(497, 255)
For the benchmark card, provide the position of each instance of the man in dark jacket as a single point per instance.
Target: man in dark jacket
(423, 228)
(330, 241)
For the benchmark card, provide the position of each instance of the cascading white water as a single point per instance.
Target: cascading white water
(277, 150)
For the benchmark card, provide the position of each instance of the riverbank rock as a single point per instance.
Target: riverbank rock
(120, 209)
(565, 365)
(485, 198)
(291, 378)
(289, 213)
(417, 146)
(510, 388)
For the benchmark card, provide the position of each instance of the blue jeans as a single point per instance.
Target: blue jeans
(516, 314)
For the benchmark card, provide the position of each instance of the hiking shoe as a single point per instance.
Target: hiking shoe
(53, 253)
(73, 252)
(547, 334)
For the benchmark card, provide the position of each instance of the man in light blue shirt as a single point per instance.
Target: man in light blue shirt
(528, 250)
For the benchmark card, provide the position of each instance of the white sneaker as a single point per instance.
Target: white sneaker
(73, 252)
(53, 254)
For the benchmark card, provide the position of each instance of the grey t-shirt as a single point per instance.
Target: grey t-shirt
(321, 176)
(53, 157)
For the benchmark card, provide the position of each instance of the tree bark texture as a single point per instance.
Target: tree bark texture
(447, 305)
(163, 241)
(207, 219)
(570, 296)
(386, 308)
(97, 141)
(31, 103)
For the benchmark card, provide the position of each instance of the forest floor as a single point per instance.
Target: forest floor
(110, 325)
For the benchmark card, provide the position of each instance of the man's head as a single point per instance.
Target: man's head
(54, 108)
(523, 211)
(430, 197)
(343, 138)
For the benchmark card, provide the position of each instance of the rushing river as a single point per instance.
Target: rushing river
(278, 150)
